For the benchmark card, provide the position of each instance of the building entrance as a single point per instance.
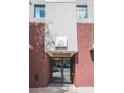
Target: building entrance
(61, 70)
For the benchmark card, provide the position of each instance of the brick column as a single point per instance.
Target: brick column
(39, 63)
(84, 68)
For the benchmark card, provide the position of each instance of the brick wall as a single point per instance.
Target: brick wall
(39, 62)
(39, 65)
(84, 68)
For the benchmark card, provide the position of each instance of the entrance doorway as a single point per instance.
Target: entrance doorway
(61, 70)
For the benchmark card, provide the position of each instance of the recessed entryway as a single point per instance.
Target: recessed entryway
(61, 70)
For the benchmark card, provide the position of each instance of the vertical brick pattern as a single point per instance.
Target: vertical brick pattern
(84, 68)
(39, 62)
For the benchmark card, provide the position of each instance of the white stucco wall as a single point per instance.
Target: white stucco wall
(89, 3)
(62, 17)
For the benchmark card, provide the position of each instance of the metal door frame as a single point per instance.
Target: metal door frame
(62, 74)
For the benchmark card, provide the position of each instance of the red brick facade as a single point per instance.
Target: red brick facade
(39, 62)
(84, 69)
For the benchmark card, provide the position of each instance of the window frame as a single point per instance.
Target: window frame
(82, 6)
(39, 5)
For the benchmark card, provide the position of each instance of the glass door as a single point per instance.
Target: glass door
(66, 71)
(61, 70)
(57, 71)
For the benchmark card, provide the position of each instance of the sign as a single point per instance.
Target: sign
(60, 41)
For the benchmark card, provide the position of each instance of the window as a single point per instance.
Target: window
(39, 11)
(82, 11)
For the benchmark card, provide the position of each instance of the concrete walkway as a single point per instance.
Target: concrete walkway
(62, 89)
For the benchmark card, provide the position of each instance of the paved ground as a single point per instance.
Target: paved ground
(62, 89)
